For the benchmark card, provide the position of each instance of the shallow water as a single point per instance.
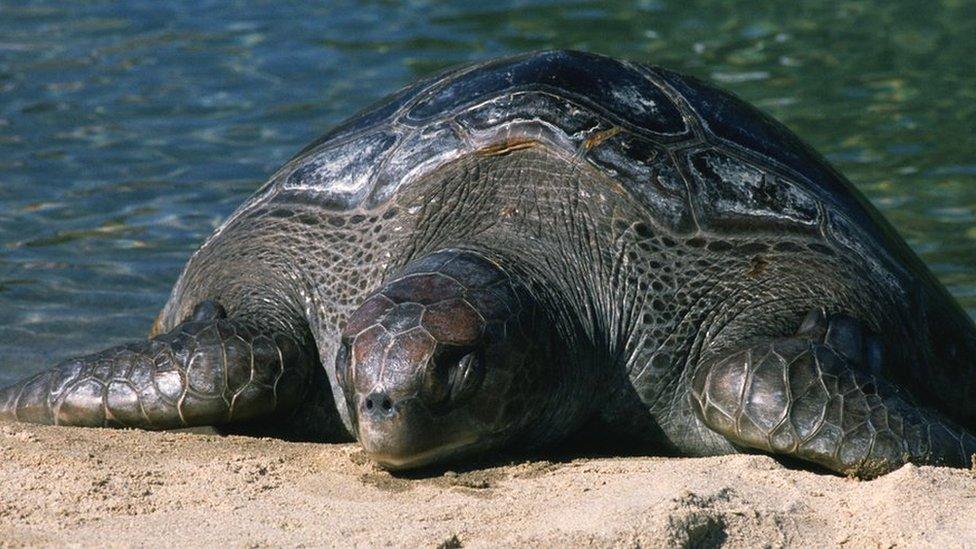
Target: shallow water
(129, 130)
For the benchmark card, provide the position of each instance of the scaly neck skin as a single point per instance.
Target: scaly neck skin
(570, 364)
(455, 354)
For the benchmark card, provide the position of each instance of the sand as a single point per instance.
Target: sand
(99, 487)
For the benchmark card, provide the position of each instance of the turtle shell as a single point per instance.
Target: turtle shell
(697, 158)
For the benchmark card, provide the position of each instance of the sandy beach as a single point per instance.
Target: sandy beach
(95, 487)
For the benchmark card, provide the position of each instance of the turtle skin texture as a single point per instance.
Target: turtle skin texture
(529, 248)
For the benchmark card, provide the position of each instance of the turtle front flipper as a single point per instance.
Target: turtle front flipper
(208, 370)
(814, 396)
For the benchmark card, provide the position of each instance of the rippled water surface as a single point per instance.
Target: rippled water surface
(128, 130)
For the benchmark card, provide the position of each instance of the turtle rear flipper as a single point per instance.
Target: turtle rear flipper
(208, 370)
(814, 396)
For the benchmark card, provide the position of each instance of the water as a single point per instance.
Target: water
(129, 130)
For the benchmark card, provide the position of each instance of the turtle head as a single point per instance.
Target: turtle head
(433, 365)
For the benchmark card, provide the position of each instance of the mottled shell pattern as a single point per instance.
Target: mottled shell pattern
(695, 157)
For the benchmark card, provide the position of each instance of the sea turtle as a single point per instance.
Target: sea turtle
(530, 247)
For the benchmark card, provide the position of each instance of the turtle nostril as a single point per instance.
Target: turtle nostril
(378, 405)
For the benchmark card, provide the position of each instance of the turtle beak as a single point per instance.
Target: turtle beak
(401, 462)
(402, 434)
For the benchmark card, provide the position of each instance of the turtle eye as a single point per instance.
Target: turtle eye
(343, 370)
(451, 377)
